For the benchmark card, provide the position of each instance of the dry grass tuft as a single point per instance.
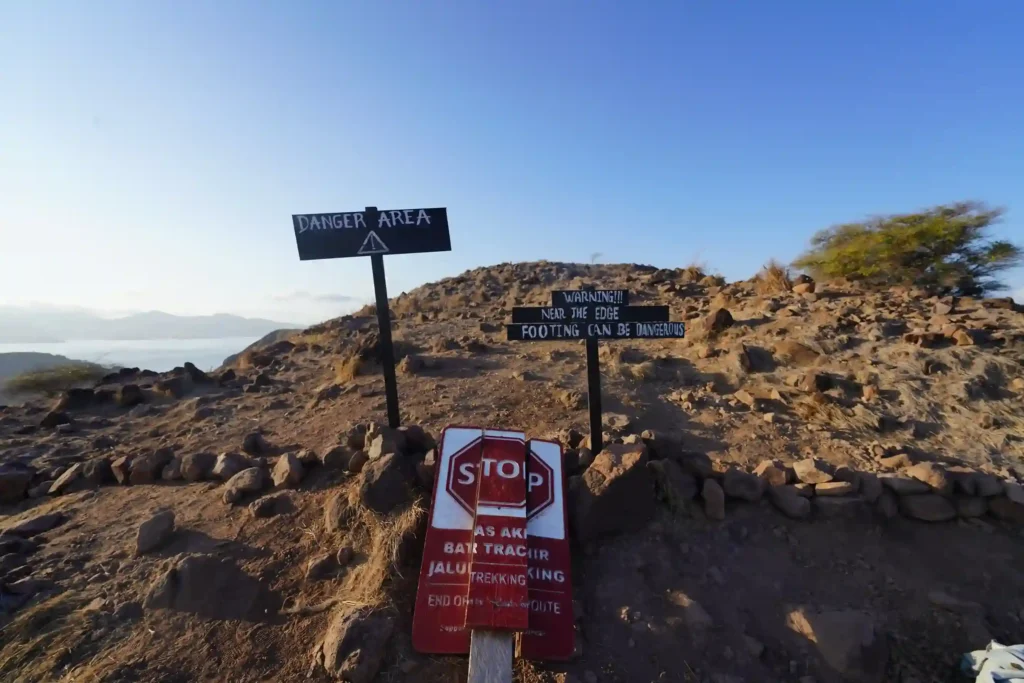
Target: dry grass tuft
(351, 367)
(383, 537)
(43, 638)
(774, 278)
(55, 380)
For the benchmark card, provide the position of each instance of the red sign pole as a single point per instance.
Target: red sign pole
(497, 579)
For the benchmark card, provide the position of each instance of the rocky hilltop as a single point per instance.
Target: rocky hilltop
(821, 483)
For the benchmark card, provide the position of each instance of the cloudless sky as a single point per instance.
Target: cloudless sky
(152, 153)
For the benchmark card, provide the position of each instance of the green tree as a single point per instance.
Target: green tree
(944, 248)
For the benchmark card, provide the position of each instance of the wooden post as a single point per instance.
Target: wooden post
(594, 396)
(380, 290)
(490, 656)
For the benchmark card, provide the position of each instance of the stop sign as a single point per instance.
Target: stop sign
(461, 480)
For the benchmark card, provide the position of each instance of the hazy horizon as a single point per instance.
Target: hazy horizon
(155, 152)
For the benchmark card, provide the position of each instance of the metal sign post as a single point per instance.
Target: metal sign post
(592, 315)
(374, 233)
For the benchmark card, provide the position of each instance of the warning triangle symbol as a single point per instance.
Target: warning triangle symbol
(373, 245)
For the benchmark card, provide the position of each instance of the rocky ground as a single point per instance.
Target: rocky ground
(818, 484)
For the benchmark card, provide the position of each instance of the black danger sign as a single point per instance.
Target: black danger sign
(395, 231)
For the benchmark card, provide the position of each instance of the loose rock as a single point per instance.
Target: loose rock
(615, 494)
(847, 640)
(385, 483)
(743, 485)
(145, 469)
(904, 486)
(247, 481)
(714, 500)
(197, 466)
(287, 472)
(272, 505)
(229, 464)
(812, 471)
(927, 507)
(255, 444)
(674, 486)
(789, 502)
(154, 532)
(354, 645)
(14, 482)
(933, 475)
(772, 473)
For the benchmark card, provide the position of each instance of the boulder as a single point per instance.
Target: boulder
(195, 374)
(714, 500)
(804, 288)
(121, 467)
(795, 353)
(384, 441)
(970, 506)
(154, 532)
(75, 398)
(417, 440)
(385, 483)
(335, 458)
(34, 525)
(673, 486)
(272, 505)
(987, 485)
(66, 482)
(812, 471)
(718, 321)
(287, 472)
(355, 438)
(173, 387)
(1014, 492)
(14, 482)
(813, 381)
(54, 418)
(693, 462)
(927, 507)
(846, 639)
(789, 502)
(338, 512)
(903, 486)
(197, 466)
(933, 475)
(254, 444)
(772, 473)
(887, 506)
(172, 470)
(870, 486)
(896, 461)
(250, 480)
(146, 469)
(357, 461)
(229, 464)
(615, 494)
(1007, 510)
(129, 395)
(354, 644)
(97, 472)
(743, 485)
(842, 507)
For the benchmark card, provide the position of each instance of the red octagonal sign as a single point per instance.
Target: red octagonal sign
(460, 480)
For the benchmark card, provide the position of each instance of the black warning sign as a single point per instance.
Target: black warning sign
(355, 233)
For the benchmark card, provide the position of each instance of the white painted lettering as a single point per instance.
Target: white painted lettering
(422, 217)
(396, 218)
(467, 472)
(383, 221)
(407, 217)
(508, 469)
(303, 224)
(360, 220)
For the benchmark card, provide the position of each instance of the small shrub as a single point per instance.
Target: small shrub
(773, 279)
(56, 379)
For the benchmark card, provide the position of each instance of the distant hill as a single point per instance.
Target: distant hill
(275, 336)
(14, 364)
(30, 325)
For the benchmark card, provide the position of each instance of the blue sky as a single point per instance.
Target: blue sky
(152, 153)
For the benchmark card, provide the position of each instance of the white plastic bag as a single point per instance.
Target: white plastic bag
(995, 663)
